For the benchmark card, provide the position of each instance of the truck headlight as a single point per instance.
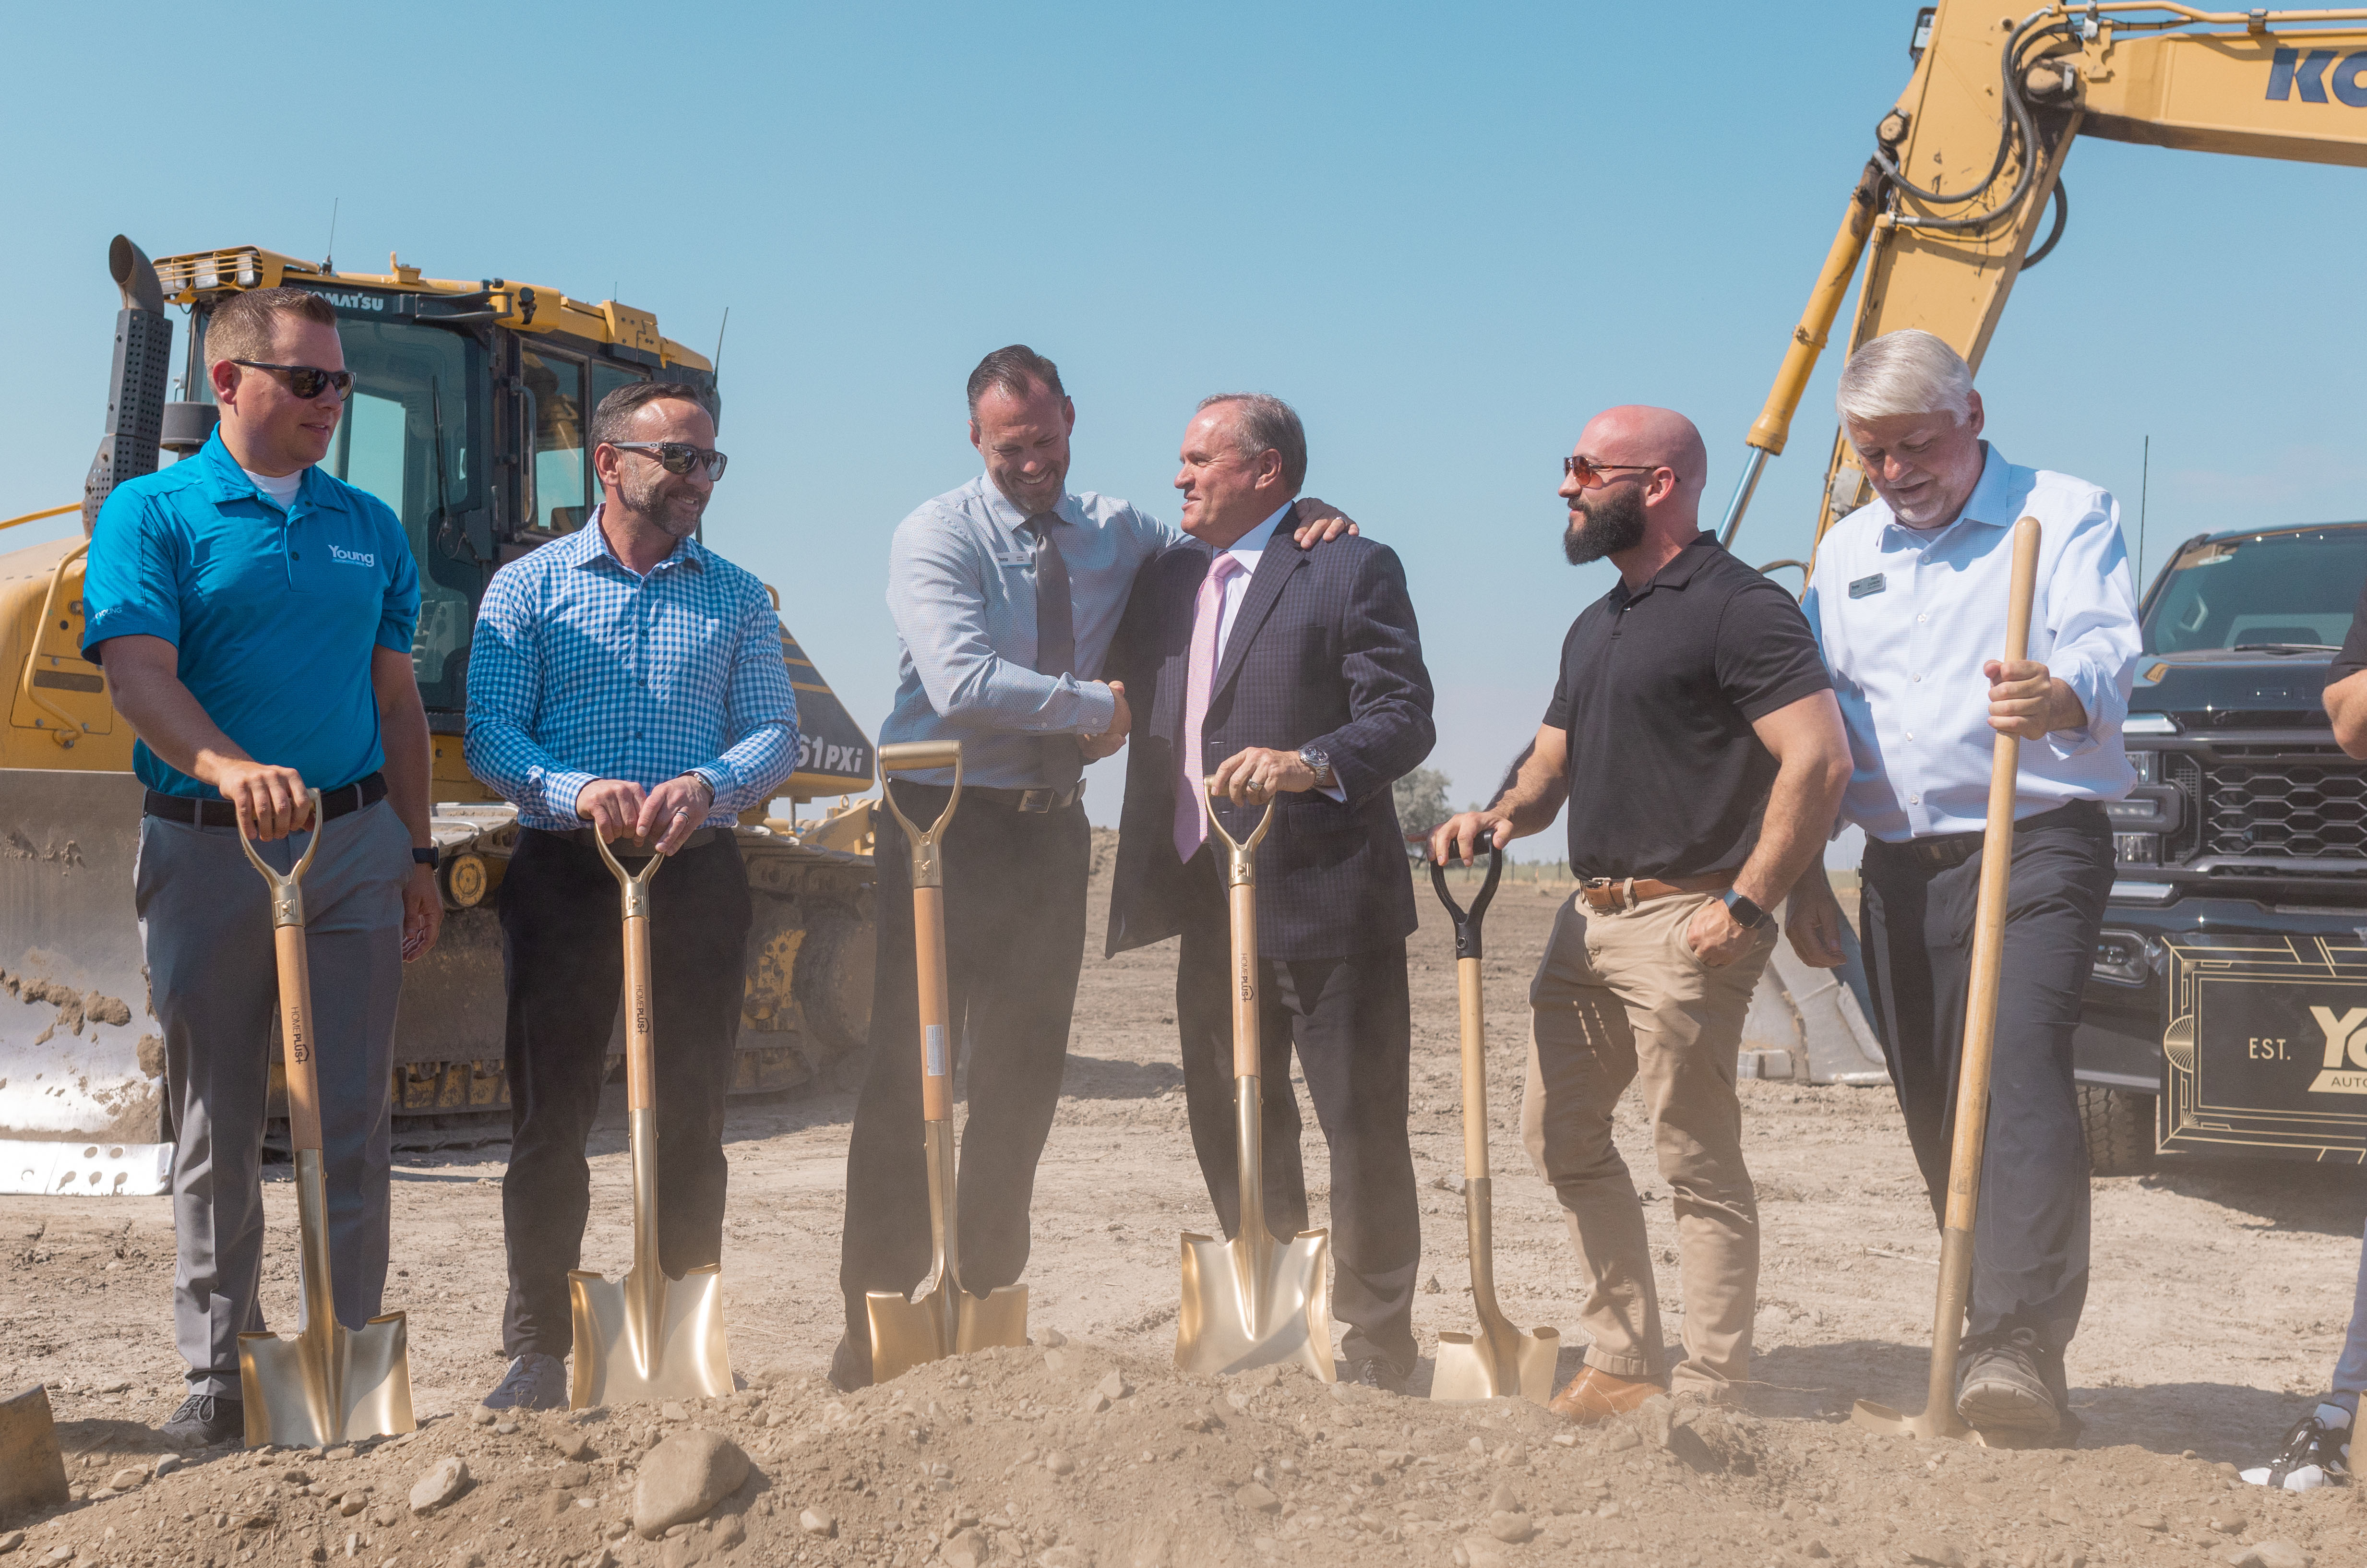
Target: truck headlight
(2136, 849)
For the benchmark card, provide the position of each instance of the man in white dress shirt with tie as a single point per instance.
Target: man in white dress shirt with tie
(1909, 599)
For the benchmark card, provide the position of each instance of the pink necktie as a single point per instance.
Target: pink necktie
(1190, 797)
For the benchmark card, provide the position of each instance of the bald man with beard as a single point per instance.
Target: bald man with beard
(1694, 734)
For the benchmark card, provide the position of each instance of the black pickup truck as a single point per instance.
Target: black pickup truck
(2227, 1014)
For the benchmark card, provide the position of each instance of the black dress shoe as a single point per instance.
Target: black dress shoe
(205, 1419)
(1376, 1373)
(850, 1365)
(2012, 1388)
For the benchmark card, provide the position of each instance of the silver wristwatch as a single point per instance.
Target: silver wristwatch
(1318, 764)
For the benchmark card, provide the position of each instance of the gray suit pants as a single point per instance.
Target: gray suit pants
(205, 918)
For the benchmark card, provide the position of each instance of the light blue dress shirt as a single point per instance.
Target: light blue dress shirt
(961, 587)
(1907, 617)
(583, 669)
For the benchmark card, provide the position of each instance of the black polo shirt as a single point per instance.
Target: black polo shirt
(1658, 691)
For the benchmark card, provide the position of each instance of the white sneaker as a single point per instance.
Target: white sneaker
(2316, 1453)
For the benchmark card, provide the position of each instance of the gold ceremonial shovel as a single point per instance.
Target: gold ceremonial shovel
(1253, 1302)
(329, 1384)
(1938, 1418)
(942, 1317)
(1500, 1360)
(648, 1336)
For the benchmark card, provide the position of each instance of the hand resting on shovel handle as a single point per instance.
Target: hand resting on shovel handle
(618, 808)
(2026, 699)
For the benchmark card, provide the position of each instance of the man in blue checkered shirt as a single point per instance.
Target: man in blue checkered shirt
(625, 681)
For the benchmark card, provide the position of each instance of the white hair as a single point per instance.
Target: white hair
(1909, 371)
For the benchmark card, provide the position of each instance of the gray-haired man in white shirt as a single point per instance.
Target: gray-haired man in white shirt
(1908, 600)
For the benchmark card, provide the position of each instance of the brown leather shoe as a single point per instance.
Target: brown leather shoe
(1594, 1394)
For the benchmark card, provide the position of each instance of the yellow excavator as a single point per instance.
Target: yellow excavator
(466, 416)
(2231, 975)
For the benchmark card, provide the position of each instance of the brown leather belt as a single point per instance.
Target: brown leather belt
(1037, 802)
(627, 848)
(1608, 893)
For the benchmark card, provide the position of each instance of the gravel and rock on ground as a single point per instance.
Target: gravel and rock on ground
(2219, 1299)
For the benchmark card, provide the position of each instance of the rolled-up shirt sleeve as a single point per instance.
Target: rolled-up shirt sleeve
(2091, 620)
(935, 594)
(761, 716)
(504, 685)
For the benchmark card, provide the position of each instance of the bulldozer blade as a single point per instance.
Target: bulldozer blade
(687, 1356)
(328, 1384)
(1240, 1311)
(946, 1321)
(32, 1468)
(1506, 1363)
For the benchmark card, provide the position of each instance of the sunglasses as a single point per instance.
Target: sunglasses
(677, 457)
(1592, 475)
(305, 381)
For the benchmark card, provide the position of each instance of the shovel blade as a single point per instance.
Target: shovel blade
(1505, 1364)
(327, 1385)
(688, 1357)
(1237, 1313)
(1892, 1423)
(949, 1321)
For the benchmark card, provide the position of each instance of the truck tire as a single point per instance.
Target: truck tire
(2118, 1127)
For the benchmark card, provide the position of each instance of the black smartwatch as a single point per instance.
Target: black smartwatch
(1746, 915)
(423, 857)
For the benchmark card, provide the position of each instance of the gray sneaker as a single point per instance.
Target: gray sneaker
(2004, 1392)
(535, 1381)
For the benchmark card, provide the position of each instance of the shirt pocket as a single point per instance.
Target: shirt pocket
(690, 659)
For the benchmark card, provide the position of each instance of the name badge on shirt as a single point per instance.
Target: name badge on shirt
(1866, 587)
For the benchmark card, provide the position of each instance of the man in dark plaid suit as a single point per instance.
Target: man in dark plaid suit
(1269, 669)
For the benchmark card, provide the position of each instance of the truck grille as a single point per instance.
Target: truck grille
(2303, 803)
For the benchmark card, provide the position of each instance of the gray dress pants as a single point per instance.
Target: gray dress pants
(205, 918)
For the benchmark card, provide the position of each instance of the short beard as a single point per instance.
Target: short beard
(678, 513)
(1614, 524)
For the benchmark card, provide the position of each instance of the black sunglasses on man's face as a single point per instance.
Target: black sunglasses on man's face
(305, 381)
(678, 457)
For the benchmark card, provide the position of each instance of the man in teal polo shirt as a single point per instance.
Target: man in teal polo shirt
(255, 616)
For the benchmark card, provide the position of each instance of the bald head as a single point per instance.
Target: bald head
(1638, 433)
(1643, 504)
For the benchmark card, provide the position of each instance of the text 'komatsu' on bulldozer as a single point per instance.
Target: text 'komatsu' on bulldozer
(466, 416)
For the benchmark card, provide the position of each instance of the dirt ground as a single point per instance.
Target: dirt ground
(2219, 1299)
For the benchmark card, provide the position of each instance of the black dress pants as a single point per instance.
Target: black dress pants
(1014, 940)
(562, 946)
(2030, 1238)
(1353, 1024)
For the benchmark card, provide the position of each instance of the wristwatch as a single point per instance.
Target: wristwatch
(422, 857)
(1318, 764)
(1746, 915)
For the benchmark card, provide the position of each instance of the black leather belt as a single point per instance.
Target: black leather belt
(366, 790)
(1036, 802)
(625, 849)
(1946, 851)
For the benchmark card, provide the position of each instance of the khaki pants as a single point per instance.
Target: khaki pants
(1620, 999)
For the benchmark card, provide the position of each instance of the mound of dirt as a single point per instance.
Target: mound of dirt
(1066, 1455)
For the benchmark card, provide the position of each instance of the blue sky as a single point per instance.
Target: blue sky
(1447, 235)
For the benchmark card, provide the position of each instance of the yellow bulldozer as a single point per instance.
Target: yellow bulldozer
(466, 416)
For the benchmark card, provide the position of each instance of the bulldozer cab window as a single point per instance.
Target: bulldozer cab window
(561, 473)
(2293, 590)
(405, 438)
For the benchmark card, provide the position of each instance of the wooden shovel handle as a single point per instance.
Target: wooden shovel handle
(1988, 918)
(936, 1042)
(1242, 900)
(298, 1045)
(641, 1048)
(1474, 1023)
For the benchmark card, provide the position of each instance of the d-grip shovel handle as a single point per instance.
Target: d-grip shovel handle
(640, 1055)
(928, 914)
(295, 984)
(1467, 921)
(1470, 1014)
(1241, 885)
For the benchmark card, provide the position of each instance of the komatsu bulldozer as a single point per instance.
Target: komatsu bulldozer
(466, 416)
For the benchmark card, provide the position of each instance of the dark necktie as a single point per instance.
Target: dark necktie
(1056, 642)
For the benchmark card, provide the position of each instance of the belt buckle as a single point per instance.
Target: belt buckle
(1038, 800)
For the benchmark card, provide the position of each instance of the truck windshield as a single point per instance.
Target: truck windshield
(2269, 591)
